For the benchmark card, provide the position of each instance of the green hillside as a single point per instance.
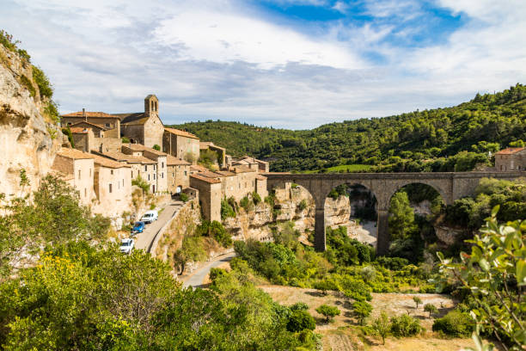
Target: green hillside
(415, 141)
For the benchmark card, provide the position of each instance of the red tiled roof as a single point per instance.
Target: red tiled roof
(181, 133)
(88, 123)
(79, 130)
(510, 150)
(174, 161)
(205, 179)
(74, 154)
(106, 162)
(90, 114)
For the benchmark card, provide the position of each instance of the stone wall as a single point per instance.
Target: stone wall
(153, 132)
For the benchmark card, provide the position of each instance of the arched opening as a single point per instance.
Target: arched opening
(413, 211)
(178, 189)
(351, 212)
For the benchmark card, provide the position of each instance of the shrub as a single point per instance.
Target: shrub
(156, 147)
(417, 301)
(430, 308)
(405, 325)
(300, 320)
(328, 311)
(362, 310)
(455, 324)
(302, 205)
(141, 183)
(256, 198)
(183, 197)
(216, 273)
(125, 140)
(368, 273)
(246, 204)
(381, 326)
(226, 210)
(27, 83)
(43, 83)
(299, 306)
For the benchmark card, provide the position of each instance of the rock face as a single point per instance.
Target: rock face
(293, 204)
(27, 141)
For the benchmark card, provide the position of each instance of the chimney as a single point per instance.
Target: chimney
(84, 114)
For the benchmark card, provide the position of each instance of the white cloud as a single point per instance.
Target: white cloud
(229, 37)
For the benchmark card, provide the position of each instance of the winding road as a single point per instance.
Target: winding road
(196, 280)
(145, 239)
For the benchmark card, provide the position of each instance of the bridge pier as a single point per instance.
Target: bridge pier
(319, 230)
(382, 226)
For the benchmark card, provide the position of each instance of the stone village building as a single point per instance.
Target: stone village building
(97, 136)
(511, 159)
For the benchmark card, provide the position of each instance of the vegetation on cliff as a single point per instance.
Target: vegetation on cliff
(444, 139)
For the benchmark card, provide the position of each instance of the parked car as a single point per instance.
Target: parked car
(138, 227)
(127, 245)
(150, 216)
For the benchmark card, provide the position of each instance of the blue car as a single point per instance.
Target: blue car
(138, 227)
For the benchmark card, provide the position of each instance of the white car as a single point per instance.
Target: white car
(127, 245)
(150, 216)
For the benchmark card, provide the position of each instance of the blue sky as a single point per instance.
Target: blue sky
(293, 64)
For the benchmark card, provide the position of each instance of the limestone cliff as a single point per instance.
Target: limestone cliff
(292, 204)
(27, 141)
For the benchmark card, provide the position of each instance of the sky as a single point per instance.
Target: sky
(291, 64)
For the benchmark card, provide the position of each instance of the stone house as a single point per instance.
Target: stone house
(511, 159)
(252, 163)
(160, 175)
(110, 123)
(77, 168)
(85, 139)
(209, 196)
(146, 127)
(112, 184)
(140, 166)
(178, 174)
(181, 145)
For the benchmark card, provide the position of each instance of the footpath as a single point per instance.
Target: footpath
(196, 279)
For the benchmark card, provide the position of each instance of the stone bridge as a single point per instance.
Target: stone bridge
(450, 185)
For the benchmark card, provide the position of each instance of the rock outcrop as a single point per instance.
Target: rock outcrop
(28, 142)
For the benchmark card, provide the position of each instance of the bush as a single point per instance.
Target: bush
(216, 273)
(125, 140)
(300, 320)
(183, 197)
(27, 83)
(256, 198)
(454, 324)
(328, 311)
(430, 308)
(362, 310)
(405, 325)
(299, 306)
(43, 83)
(302, 205)
(246, 204)
(226, 210)
(156, 147)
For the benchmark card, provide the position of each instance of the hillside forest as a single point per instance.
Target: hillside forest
(445, 139)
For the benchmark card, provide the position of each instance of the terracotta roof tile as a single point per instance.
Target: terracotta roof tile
(140, 147)
(205, 179)
(106, 162)
(226, 173)
(79, 130)
(510, 151)
(181, 133)
(119, 156)
(88, 123)
(174, 161)
(89, 114)
(74, 154)
(198, 168)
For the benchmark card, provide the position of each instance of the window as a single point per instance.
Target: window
(154, 176)
(111, 172)
(79, 174)
(148, 177)
(107, 125)
(162, 175)
(162, 164)
(185, 172)
(132, 174)
(110, 188)
(145, 168)
(85, 192)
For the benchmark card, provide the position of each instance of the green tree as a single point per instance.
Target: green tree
(156, 147)
(362, 310)
(417, 301)
(141, 183)
(300, 320)
(382, 326)
(430, 308)
(402, 217)
(495, 274)
(328, 311)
